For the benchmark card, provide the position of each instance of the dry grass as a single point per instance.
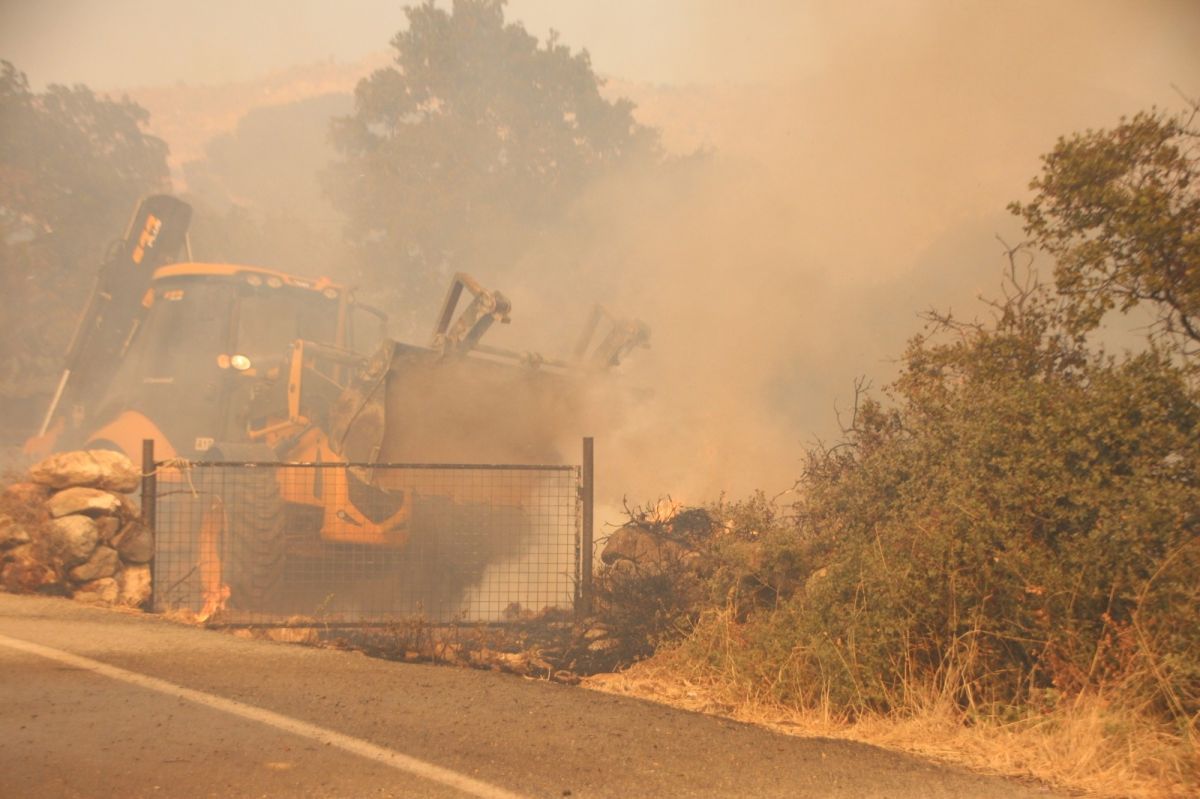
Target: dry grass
(1090, 746)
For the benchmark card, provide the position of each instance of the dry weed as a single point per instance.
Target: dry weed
(1091, 746)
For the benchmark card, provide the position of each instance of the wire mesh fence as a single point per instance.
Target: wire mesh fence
(274, 543)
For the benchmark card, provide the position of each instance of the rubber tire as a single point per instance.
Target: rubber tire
(253, 538)
(252, 541)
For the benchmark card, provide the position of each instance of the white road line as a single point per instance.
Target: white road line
(357, 746)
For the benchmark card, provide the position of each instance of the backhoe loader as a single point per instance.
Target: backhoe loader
(235, 363)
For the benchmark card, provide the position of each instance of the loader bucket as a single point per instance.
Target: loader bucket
(411, 404)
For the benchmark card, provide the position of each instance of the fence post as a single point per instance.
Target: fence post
(585, 604)
(149, 505)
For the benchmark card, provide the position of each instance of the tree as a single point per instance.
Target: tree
(477, 138)
(71, 162)
(270, 161)
(256, 194)
(1120, 211)
(72, 165)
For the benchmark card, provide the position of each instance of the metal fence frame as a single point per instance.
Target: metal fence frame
(584, 529)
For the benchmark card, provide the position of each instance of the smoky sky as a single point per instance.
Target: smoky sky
(861, 157)
(128, 43)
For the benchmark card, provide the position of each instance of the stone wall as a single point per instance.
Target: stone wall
(70, 527)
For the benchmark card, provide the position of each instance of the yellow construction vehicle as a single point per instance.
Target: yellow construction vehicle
(247, 364)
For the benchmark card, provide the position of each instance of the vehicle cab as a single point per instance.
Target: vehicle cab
(213, 341)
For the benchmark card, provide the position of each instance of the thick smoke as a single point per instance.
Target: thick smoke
(855, 163)
(844, 191)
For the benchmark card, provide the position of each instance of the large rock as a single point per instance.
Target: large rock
(104, 562)
(90, 501)
(103, 591)
(118, 472)
(134, 585)
(129, 507)
(97, 468)
(135, 543)
(12, 532)
(649, 553)
(27, 493)
(23, 572)
(108, 527)
(65, 469)
(76, 537)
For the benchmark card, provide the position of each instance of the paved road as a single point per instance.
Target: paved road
(95, 703)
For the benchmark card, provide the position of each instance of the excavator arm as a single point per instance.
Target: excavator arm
(487, 307)
(110, 319)
(622, 336)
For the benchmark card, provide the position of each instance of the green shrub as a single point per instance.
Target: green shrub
(1019, 522)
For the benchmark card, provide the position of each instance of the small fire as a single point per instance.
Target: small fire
(216, 593)
(664, 510)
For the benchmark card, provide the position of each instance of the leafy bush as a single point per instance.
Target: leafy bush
(1012, 531)
(1018, 524)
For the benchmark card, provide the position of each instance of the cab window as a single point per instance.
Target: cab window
(270, 319)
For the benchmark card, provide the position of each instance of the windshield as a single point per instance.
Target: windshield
(184, 331)
(270, 319)
(171, 371)
(176, 370)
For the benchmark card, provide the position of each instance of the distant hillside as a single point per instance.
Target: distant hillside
(189, 117)
(261, 144)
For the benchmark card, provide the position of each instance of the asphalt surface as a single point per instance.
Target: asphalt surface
(95, 703)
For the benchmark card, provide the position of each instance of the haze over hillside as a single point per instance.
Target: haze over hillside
(857, 169)
(189, 116)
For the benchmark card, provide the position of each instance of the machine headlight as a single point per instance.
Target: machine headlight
(240, 362)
